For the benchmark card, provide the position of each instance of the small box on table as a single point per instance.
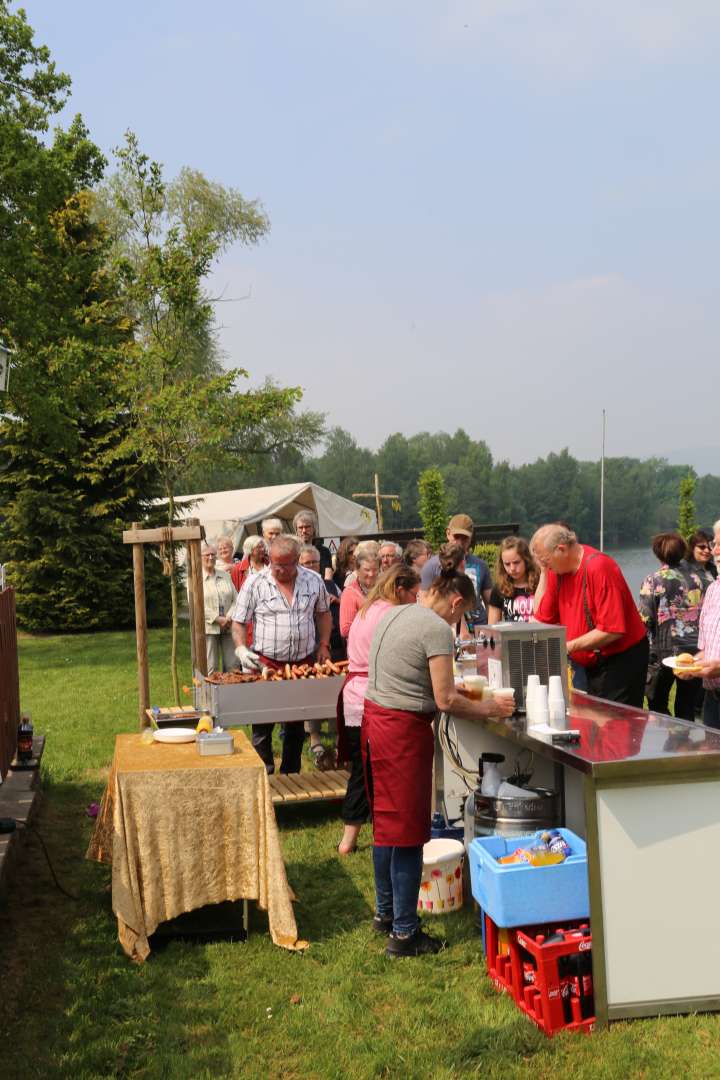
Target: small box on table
(211, 743)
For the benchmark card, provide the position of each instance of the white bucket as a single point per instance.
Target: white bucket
(441, 888)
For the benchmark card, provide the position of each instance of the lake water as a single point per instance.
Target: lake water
(636, 563)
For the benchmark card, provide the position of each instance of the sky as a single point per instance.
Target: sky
(500, 215)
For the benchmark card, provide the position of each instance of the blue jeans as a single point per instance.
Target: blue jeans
(398, 873)
(711, 709)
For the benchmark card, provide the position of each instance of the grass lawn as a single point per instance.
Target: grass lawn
(74, 1006)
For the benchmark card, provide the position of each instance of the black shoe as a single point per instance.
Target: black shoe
(382, 926)
(418, 944)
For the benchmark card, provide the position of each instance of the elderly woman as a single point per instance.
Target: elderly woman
(363, 547)
(255, 558)
(367, 567)
(410, 678)
(225, 553)
(219, 595)
(305, 528)
(670, 602)
(389, 553)
(398, 585)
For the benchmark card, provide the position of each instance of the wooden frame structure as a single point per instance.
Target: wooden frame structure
(191, 534)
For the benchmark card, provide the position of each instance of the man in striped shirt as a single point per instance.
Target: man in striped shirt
(282, 603)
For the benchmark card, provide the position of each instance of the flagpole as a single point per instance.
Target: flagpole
(602, 486)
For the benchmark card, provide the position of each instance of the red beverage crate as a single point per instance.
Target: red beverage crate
(547, 972)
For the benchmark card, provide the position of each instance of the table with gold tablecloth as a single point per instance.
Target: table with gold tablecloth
(182, 831)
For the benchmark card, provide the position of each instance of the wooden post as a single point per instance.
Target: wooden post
(138, 537)
(378, 503)
(141, 630)
(378, 500)
(197, 602)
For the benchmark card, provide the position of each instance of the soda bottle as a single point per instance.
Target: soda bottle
(25, 738)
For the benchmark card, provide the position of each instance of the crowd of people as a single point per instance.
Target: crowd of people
(394, 615)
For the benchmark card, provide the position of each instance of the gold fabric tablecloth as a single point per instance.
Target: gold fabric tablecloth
(182, 831)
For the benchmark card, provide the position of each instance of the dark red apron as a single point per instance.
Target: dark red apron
(397, 749)
(343, 754)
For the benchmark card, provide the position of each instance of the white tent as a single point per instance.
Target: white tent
(239, 513)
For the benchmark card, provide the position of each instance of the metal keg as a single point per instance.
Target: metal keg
(517, 817)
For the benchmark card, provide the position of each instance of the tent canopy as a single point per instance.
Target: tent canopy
(239, 513)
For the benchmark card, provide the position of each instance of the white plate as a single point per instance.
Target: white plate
(671, 662)
(175, 735)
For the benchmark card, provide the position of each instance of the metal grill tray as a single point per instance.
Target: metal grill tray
(237, 704)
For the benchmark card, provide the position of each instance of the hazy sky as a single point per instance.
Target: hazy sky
(494, 214)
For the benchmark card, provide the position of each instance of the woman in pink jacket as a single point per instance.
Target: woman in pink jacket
(398, 585)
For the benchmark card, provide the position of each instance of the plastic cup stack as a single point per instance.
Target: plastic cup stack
(541, 714)
(532, 684)
(556, 703)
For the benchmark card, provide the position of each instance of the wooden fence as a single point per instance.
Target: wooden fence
(9, 682)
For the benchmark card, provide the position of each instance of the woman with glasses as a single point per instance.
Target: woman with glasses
(700, 558)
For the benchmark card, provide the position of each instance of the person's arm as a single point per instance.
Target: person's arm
(545, 605)
(494, 614)
(324, 626)
(448, 698)
(541, 588)
(242, 612)
(348, 610)
(594, 639)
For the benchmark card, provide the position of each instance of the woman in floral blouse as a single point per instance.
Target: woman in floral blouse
(670, 602)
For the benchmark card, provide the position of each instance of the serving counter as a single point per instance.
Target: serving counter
(643, 789)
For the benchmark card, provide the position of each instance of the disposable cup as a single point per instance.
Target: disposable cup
(532, 685)
(504, 693)
(474, 685)
(555, 688)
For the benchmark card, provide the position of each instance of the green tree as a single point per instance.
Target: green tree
(433, 506)
(186, 412)
(687, 522)
(61, 514)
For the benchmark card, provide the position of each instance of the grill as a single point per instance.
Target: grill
(260, 702)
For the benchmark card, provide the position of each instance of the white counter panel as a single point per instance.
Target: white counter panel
(660, 871)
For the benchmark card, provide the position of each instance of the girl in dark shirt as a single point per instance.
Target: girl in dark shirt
(516, 578)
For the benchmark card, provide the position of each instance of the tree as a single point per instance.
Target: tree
(687, 523)
(61, 513)
(433, 506)
(185, 412)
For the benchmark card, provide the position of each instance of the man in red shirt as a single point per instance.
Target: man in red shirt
(585, 591)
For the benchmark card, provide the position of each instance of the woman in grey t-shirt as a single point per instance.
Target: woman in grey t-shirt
(410, 677)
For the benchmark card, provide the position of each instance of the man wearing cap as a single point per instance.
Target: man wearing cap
(460, 530)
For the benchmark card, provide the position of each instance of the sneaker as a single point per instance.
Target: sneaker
(418, 944)
(382, 925)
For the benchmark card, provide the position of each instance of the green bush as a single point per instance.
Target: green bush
(488, 552)
(433, 507)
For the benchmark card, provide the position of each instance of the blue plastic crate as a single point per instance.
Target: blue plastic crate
(517, 894)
